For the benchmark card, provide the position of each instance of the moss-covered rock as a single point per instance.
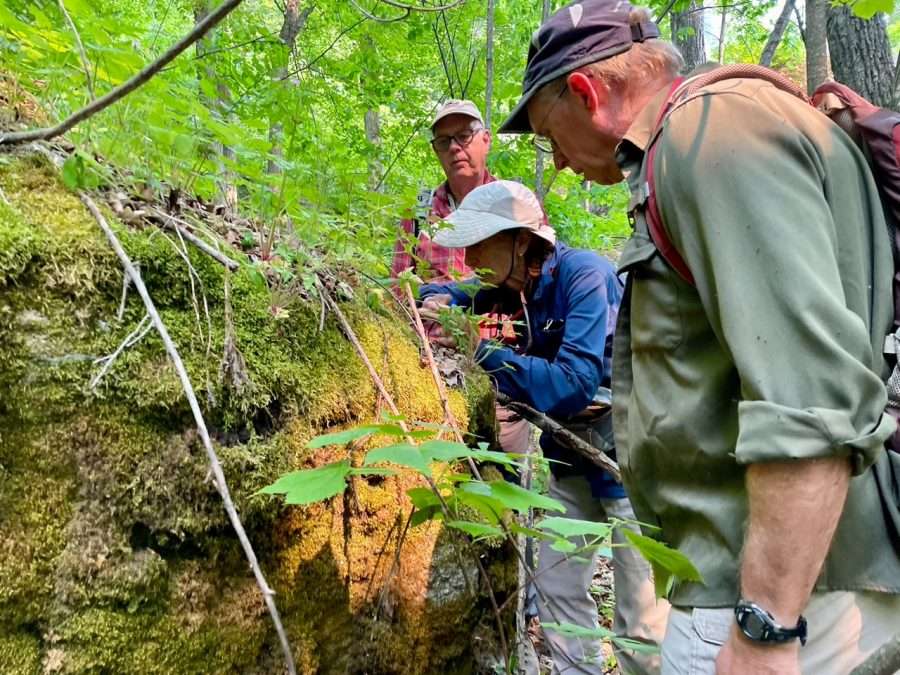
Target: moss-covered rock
(116, 555)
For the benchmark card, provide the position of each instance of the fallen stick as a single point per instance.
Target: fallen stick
(125, 88)
(562, 435)
(169, 222)
(216, 467)
(884, 661)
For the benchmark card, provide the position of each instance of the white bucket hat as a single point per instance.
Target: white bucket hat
(492, 208)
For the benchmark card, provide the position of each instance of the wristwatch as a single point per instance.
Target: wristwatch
(760, 626)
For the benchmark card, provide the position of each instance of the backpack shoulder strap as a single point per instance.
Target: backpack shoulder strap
(681, 90)
(423, 207)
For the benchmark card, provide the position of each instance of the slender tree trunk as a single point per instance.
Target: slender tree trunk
(816, 44)
(861, 54)
(294, 23)
(218, 151)
(539, 156)
(373, 135)
(724, 11)
(489, 65)
(768, 52)
(687, 34)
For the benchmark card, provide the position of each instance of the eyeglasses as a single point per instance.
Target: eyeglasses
(546, 143)
(463, 138)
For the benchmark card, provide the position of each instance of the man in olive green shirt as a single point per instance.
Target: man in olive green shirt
(750, 403)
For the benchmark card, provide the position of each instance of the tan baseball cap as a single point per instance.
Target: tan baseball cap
(457, 107)
(492, 208)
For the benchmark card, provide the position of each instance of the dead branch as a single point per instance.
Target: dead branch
(884, 661)
(435, 374)
(215, 465)
(84, 59)
(126, 87)
(562, 435)
(168, 221)
(135, 336)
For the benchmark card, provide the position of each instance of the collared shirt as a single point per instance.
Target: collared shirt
(775, 355)
(571, 311)
(430, 261)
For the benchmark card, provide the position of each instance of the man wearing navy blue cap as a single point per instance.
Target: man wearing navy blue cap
(748, 389)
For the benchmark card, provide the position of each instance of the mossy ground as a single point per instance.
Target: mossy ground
(115, 553)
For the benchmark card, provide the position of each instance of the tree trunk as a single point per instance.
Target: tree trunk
(816, 44)
(861, 54)
(489, 65)
(539, 156)
(216, 150)
(687, 34)
(294, 23)
(373, 135)
(724, 11)
(768, 52)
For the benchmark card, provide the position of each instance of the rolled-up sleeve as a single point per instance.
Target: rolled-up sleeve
(748, 211)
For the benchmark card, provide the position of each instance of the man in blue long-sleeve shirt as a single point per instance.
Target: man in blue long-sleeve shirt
(560, 363)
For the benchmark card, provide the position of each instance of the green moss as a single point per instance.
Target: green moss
(20, 654)
(115, 552)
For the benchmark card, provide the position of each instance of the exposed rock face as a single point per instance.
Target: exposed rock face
(115, 552)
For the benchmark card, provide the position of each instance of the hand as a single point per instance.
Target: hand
(741, 656)
(434, 303)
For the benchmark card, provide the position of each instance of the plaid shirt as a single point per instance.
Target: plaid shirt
(431, 262)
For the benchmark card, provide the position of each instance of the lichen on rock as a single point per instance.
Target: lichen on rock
(115, 552)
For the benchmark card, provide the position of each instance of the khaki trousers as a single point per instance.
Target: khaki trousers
(844, 628)
(565, 582)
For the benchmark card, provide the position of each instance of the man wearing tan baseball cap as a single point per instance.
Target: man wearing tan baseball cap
(461, 143)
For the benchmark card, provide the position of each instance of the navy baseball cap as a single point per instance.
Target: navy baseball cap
(574, 36)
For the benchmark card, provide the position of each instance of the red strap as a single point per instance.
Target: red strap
(654, 221)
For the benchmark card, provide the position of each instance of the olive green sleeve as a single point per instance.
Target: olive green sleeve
(741, 194)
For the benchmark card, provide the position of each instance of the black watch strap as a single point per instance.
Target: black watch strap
(760, 626)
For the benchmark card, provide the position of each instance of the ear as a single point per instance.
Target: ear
(590, 91)
(523, 239)
(487, 139)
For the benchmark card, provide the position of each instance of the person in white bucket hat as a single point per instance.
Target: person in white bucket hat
(559, 363)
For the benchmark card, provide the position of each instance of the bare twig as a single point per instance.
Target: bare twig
(378, 19)
(559, 433)
(449, 417)
(884, 661)
(215, 466)
(84, 59)
(126, 87)
(169, 222)
(135, 336)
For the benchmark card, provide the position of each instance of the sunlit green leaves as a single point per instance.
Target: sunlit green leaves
(668, 564)
(311, 485)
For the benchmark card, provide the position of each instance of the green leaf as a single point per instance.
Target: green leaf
(420, 516)
(572, 630)
(311, 485)
(422, 497)
(342, 437)
(477, 530)
(402, 454)
(635, 646)
(72, 171)
(450, 451)
(866, 9)
(519, 499)
(571, 527)
(668, 564)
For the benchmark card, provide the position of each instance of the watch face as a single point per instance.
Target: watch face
(753, 625)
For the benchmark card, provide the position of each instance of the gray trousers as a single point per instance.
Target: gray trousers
(565, 581)
(844, 628)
